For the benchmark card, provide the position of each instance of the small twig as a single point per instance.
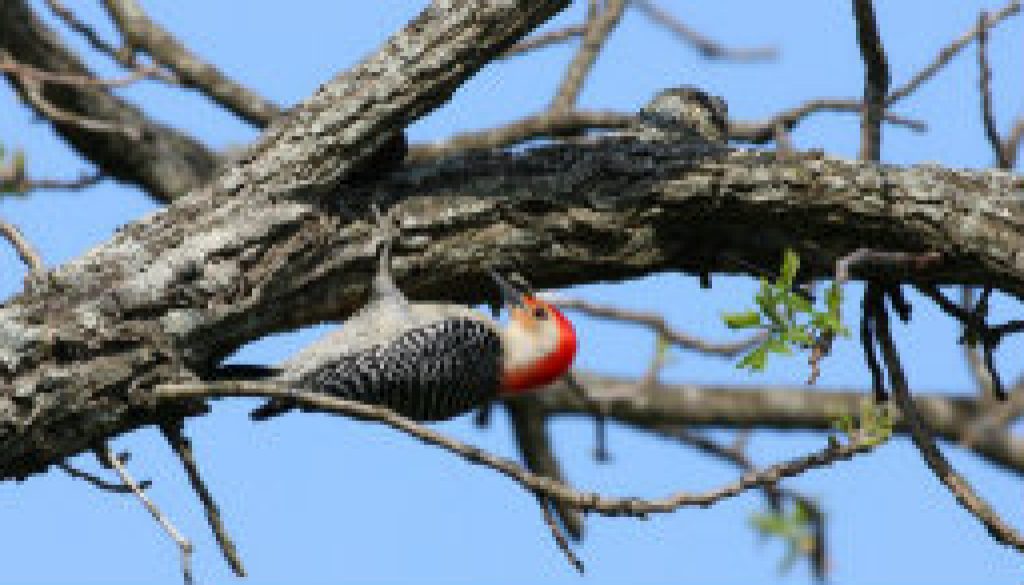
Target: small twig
(556, 532)
(787, 120)
(21, 184)
(140, 32)
(27, 72)
(99, 482)
(545, 40)
(658, 324)
(872, 297)
(975, 324)
(550, 489)
(598, 28)
(23, 247)
(1013, 141)
(112, 461)
(876, 79)
(925, 443)
(529, 426)
(988, 118)
(175, 435)
(33, 93)
(947, 53)
(705, 46)
(546, 125)
(995, 416)
(81, 28)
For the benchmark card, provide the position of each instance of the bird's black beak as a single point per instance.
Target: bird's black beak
(510, 296)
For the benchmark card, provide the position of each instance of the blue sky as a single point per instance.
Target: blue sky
(318, 499)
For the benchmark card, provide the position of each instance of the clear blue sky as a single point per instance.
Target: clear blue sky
(318, 499)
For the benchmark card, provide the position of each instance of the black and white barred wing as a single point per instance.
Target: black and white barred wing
(432, 372)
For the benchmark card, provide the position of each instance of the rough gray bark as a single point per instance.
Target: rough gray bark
(162, 161)
(77, 347)
(175, 292)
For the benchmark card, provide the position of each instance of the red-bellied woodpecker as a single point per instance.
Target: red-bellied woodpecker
(433, 361)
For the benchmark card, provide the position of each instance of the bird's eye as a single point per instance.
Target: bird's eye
(540, 313)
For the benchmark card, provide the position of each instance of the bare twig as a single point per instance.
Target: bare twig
(705, 46)
(23, 247)
(947, 53)
(977, 329)
(69, 18)
(34, 94)
(944, 472)
(1013, 141)
(545, 40)
(99, 482)
(988, 118)
(658, 324)
(110, 460)
(25, 71)
(142, 33)
(997, 416)
(530, 428)
(598, 28)
(26, 184)
(556, 533)
(975, 360)
(876, 79)
(175, 435)
(774, 494)
(544, 486)
(546, 125)
(761, 132)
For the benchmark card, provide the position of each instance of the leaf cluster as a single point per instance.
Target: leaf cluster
(788, 316)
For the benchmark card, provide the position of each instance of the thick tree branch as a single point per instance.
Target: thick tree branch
(179, 290)
(162, 161)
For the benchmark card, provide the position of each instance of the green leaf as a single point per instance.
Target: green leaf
(754, 360)
(790, 266)
(776, 345)
(834, 299)
(742, 320)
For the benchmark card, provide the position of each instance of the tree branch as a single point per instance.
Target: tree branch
(540, 485)
(142, 33)
(176, 292)
(598, 28)
(783, 408)
(944, 472)
(705, 46)
(162, 161)
(111, 460)
(876, 79)
(174, 432)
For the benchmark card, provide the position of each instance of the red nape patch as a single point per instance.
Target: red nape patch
(550, 367)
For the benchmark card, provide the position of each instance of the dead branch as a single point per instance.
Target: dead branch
(876, 79)
(947, 53)
(141, 33)
(707, 47)
(26, 251)
(112, 461)
(544, 486)
(658, 324)
(921, 436)
(598, 27)
(174, 432)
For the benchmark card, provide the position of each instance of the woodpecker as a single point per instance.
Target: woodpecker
(433, 361)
